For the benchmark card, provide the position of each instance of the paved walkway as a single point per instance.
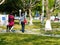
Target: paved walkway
(18, 31)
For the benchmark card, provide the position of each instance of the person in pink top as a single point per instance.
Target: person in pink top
(10, 22)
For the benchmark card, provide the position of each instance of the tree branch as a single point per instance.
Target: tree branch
(2, 2)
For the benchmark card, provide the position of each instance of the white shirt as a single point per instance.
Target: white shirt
(22, 18)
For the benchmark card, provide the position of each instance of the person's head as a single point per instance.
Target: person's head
(11, 13)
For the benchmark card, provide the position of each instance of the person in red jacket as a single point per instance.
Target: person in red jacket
(10, 22)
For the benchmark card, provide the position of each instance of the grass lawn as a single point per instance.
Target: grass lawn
(17, 26)
(27, 39)
(36, 25)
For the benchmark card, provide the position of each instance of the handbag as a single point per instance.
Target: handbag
(25, 21)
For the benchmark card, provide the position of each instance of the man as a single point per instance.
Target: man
(22, 21)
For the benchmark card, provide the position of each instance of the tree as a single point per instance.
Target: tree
(10, 5)
(2, 1)
(42, 16)
(48, 13)
(48, 23)
(29, 4)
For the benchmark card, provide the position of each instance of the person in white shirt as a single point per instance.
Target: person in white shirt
(22, 21)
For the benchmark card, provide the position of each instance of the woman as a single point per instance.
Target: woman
(10, 22)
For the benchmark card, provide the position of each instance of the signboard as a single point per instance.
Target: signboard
(3, 20)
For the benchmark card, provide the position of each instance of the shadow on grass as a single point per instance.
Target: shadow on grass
(2, 42)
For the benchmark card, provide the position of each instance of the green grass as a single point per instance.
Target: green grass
(17, 26)
(26, 39)
(36, 25)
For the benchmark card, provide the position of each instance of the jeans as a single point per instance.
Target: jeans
(23, 26)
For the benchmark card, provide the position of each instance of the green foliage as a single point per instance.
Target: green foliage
(15, 5)
(51, 3)
(38, 6)
(11, 5)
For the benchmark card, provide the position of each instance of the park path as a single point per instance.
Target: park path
(19, 31)
(30, 32)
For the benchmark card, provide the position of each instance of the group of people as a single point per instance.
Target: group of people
(11, 22)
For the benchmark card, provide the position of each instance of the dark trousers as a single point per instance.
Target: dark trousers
(8, 28)
(23, 26)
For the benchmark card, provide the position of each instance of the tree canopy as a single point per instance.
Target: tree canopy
(15, 5)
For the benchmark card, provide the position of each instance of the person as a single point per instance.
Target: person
(10, 22)
(23, 21)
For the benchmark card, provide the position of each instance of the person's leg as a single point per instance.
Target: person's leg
(10, 28)
(7, 29)
(23, 26)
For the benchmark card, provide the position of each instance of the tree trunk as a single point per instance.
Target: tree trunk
(2, 1)
(48, 22)
(25, 14)
(42, 16)
(30, 23)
